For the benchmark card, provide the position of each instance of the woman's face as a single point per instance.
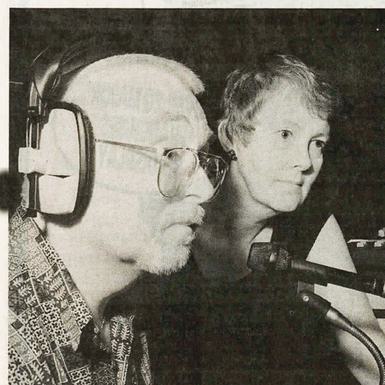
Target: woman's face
(284, 154)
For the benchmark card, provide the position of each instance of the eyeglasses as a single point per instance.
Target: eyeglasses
(177, 167)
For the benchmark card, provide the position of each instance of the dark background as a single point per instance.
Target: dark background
(348, 45)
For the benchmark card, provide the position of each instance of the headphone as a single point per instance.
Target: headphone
(58, 179)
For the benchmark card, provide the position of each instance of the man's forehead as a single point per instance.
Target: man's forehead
(162, 127)
(178, 130)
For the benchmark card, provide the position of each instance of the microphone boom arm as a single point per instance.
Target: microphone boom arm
(322, 275)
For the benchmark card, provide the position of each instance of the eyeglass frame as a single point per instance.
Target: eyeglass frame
(163, 151)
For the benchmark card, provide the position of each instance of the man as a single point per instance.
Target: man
(149, 182)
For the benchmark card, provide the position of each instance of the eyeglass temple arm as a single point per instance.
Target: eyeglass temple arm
(135, 146)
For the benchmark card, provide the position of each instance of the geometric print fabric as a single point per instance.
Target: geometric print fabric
(48, 318)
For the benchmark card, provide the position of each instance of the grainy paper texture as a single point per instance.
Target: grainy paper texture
(347, 44)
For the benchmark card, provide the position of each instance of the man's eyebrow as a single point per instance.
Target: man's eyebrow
(321, 135)
(169, 116)
(208, 138)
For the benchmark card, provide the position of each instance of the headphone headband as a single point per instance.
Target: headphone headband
(52, 66)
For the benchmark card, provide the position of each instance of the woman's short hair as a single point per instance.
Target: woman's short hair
(246, 90)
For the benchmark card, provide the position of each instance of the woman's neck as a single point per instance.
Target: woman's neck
(223, 241)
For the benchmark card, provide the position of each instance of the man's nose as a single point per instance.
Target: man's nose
(200, 187)
(301, 157)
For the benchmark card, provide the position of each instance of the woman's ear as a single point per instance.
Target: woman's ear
(223, 137)
(226, 142)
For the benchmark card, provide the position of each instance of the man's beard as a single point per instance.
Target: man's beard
(169, 250)
(166, 259)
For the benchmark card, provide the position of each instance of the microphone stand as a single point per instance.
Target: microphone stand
(339, 320)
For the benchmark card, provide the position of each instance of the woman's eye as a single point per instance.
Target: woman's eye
(285, 134)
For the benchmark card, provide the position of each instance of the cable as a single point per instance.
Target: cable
(339, 320)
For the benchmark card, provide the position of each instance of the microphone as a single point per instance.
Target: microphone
(267, 257)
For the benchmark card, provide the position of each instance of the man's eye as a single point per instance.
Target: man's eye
(320, 144)
(173, 155)
(285, 134)
(317, 147)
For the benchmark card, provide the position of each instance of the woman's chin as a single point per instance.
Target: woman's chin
(286, 205)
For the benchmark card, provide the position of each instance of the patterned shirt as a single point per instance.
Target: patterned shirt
(50, 324)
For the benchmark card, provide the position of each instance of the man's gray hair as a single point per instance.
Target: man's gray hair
(178, 70)
(246, 90)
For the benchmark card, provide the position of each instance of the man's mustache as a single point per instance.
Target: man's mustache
(184, 215)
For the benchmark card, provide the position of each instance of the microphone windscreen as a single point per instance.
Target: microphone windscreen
(265, 256)
(259, 256)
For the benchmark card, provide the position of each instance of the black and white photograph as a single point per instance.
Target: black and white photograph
(195, 195)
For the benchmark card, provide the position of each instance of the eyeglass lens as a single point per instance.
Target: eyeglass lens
(179, 165)
(214, 169)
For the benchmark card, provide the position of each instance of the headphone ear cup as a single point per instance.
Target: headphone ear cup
(56, 162)
(57, 195)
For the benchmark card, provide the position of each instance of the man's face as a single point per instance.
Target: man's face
(284, 154)
(127, 213)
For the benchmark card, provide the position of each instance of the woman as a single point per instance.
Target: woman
(274, 129)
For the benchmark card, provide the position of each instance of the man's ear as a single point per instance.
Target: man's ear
(223, 137)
